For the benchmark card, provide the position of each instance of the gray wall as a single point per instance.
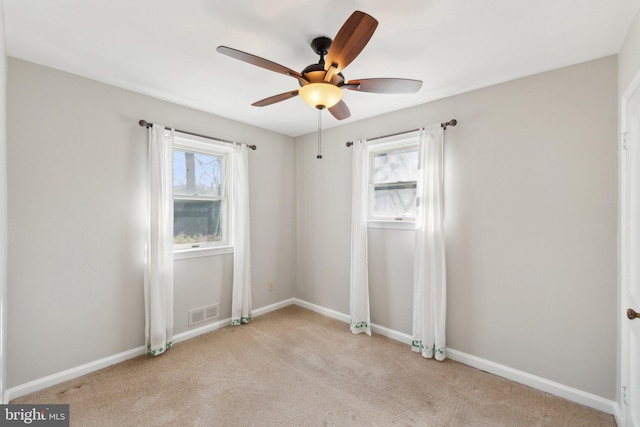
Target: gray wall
(76, 190)
(531, 199)
(530, 222)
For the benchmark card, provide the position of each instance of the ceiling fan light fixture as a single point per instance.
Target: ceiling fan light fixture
(321, 95)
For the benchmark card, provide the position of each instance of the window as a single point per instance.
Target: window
(200, 199)
(393, 173)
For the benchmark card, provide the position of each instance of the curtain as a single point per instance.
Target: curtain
(241, 298)
(158, 277)
(359, 277)
(429, 278)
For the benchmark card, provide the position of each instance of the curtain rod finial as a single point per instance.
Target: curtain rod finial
(451, 122)
(143, 123)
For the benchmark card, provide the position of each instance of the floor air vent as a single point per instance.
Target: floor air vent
(203, 314)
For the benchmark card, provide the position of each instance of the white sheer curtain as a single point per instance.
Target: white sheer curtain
(158, 277)
(429, 273)
(241, 298)
(359, 277)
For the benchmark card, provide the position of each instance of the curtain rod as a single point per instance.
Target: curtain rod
(145, 124)
(444, 125)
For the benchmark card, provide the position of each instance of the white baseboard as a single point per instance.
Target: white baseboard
(183, 336)
(191, 333)
(87, 368)
(69, 374)
(273, 307)
(390, 333)
(322, 310)
(539, 383)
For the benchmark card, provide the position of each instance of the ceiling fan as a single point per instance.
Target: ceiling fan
(321, 84)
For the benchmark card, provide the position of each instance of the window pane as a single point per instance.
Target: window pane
(395, 166)
(394, 202)
(197, 173)
(197, 221)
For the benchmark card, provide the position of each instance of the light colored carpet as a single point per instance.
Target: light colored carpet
(294, 367)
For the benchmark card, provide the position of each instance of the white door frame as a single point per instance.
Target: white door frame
(625, 258)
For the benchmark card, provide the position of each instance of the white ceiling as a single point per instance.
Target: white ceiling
(167, 48)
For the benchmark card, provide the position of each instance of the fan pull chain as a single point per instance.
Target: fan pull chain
(319, 156)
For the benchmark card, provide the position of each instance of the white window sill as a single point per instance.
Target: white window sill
(392, 225)
(202, 252)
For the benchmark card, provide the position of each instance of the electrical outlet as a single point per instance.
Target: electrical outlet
(271, 287)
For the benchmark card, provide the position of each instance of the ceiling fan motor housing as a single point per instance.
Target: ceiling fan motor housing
(315, 73)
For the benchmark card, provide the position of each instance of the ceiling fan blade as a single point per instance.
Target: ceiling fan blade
(275, 98)
(261, 62)
(340, 111)
(384, 85)
(350, 40)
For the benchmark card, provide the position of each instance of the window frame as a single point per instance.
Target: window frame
(211, 147)
(390, 145)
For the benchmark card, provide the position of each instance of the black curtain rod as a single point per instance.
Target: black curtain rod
(145, 124)
(444, 125)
